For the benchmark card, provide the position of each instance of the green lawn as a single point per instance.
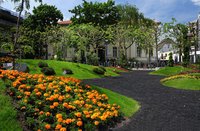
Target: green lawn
(8, 115)
(168, 71)
(81, 71)
(184, 83)
(128, 105)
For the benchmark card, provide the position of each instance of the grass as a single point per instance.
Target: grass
(8, 115)
(128, 105)
(168, 71)
(184, 83)
(81, 71)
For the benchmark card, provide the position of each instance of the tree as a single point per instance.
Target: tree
(171, 61)
(130, 15)
(179, 33)
(22, 4)
(99, 14)
(157, 33)
(193, 38)
(43, 16)
(43, 22)
(86, 40)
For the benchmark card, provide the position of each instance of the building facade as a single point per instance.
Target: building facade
(194, 31)
(108, 52)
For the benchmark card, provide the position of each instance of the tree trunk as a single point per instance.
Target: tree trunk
(156, 49)
(17, 33)
(46, 51)
(195, 53)
(180, 54)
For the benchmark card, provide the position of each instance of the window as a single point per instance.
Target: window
(138, 51)
(115, 52)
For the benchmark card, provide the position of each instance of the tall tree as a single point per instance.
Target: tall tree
(87, 38)
(178, 32)
(99, 14)
(43, 16)
(43, 22)
(130, 15)
(21, 5)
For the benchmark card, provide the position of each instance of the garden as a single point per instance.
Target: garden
(56, 101)
(187, 78)
(51, 102)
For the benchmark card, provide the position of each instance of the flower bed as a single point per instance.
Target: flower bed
(59, 103)
(6, 59)
(189, 72)
(179, 77)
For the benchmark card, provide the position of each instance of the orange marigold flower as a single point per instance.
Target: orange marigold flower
(63, 129)
(55, 104)
(68, 121)
(48, 113)
(41, 112)
(78, 114)
(96, 123)
(38, 93)
(79, 123)
(60, 120)
(58, 116)
(47, 126)
(52, 106)
(60, 98)
(65, 104)
(58, 126)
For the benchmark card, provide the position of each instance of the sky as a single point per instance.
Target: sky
(159, 10)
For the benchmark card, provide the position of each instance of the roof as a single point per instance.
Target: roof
(165, 41)
(65, 22)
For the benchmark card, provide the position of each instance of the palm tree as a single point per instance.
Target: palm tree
(21, 5)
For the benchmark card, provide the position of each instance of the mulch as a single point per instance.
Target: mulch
(162, 108)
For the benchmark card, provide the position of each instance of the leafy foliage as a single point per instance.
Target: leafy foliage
(179, 33)
(170, 62)
(99, 14)
(43, 16)
(99, 70)
(42, 64)
(48, 71)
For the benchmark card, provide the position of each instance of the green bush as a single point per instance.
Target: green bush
(67, 71)
(48, 71)
(92, 59)
(171, 61)
(103, 68)
(42, 64)
(98, 70)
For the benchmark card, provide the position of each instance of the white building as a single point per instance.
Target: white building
(108, 52)
(194, 30)
(165, 47)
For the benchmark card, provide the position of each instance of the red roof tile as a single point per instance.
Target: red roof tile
(65, 22)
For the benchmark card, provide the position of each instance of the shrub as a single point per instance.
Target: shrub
(42, 64)
(92, 59)
(98, 70)
(67, 71)
(48, 71)
(103, 68)
(171, 61)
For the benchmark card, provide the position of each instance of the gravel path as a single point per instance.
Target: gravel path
(162, 108)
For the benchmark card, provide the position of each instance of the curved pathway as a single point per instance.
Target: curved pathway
(162, 108)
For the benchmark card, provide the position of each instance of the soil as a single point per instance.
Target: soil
(162, 108)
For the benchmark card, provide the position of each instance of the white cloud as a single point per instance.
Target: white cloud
(196, 2)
